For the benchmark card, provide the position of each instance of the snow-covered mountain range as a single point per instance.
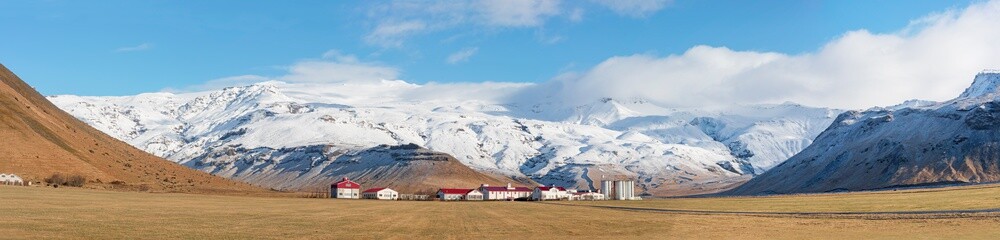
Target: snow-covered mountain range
(280, 134)
(913, 144)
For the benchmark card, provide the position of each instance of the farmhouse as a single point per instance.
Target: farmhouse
(543, 193)
(454, 194)
(504, 193)
(345, 188)
(10, 179)
(380, 194)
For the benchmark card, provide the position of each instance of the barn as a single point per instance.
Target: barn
(345, 188)
(454, 194)
(504, 193)
(380, 194)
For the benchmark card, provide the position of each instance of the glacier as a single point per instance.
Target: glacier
(291, 130)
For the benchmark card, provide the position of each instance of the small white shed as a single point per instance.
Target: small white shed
(10, 179)
(380, 194)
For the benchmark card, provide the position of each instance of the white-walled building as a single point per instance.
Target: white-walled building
(380, 194)
(587, 196)
(544, 193)
(345, 189)
(504, 193)
(453, 194)
(10, 179)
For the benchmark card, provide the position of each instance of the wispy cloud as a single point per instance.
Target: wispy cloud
(391, 34)
(398, 20)
(516, 13)
(395, 21)
(461, 56)
(634, 8)
(220, 83)
(140, 47)
(333, 67)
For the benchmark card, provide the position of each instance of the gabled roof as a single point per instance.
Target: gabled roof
(505, 189)
(374, 190)
(455, 191)
(544, 188)
(347, 184)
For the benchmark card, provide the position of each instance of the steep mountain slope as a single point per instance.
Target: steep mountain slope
(406, 168)
(38, 140)
(263, 127)
(957, 141)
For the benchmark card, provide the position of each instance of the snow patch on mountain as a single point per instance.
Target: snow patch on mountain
(273, 128)
(917, 143)
(985, 84)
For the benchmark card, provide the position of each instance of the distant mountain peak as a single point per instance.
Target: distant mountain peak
(986, 83)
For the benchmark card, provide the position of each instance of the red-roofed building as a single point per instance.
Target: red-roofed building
(457, 194)
(345, 188)
(380, 194)
(504, 193)
(543, 193)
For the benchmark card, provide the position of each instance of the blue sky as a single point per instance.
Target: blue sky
(129, 47)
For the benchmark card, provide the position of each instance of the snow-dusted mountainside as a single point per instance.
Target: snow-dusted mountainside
(956, 141)
(274, 133)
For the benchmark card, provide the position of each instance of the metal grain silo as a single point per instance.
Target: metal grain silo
(620, 190)
(606, 189)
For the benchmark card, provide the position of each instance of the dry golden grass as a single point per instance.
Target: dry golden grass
(70, 213)
(931, 199)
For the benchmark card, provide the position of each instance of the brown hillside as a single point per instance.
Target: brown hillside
(37, 139)
(426, 172)
(405, 168)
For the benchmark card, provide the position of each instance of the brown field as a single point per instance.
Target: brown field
(72, 213)
(931, 199)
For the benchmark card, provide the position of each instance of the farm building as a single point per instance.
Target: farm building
(345, 188)
(10, 179)
(452, 194)
(619, 190)
(414, 197)
(543, 193)
(380, 194)
(587, 196)
(504, 193)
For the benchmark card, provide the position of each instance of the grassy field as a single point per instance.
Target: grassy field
(931, 199)
(68, 213)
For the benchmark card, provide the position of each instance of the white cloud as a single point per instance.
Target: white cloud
(337, 67)
(391, 34)
(338, 72)
(634, 8)
(576, 15)
(140, 47)
(398, 20)
(935, 58)
(482, 91)
(333, 67)
(461, 56)
(516, 13)
(220, 83)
